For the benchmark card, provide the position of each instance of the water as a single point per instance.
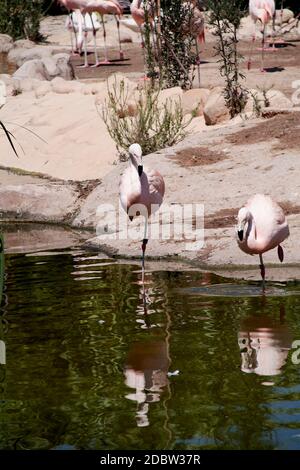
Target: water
(96, 361)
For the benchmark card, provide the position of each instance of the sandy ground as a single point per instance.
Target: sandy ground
(219, 167)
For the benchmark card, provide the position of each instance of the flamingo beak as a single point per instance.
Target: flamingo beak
(241, 234)
(140, 170)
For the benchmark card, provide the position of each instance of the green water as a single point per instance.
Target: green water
(94, 361)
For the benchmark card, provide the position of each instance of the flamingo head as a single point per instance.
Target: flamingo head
(264, 16)
(135, 155)
(243, 218)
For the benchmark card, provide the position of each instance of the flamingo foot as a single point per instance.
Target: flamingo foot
(84, 66)
(96, 64)
(105, 62)
(280, 253)
(263, 70)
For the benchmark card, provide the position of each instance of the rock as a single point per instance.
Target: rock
(61, 86)
(6, 43)
(63, 65)
(24, 44)
(59, 66)
(38, 202)
(28, 84)
(2, 93)
(43, 89)
(215, 110)
(125, 37)
(277, 100)
(173, 94)
(32, 69)
(287, 15)
(19, 55)
(193, 101)
(117, 79)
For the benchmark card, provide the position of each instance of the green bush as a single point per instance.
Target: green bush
(153, 125)
(21, 19)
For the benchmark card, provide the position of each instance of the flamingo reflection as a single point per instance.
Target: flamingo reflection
(146, 367)
(264, 345)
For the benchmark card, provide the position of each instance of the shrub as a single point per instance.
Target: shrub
(154, 126)
(225, 18)
(21, 19)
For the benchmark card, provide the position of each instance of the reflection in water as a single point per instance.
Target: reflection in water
(147, 366)
(2, 343)
(264, 344)
(82, 329)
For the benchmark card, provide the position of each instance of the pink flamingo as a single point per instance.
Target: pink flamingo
(141, 191)
(102, 7)
(263, 10)
(262, 226)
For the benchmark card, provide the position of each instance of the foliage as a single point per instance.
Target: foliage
(152, 124)
(169, 45)
(21, 19)
(225, 18)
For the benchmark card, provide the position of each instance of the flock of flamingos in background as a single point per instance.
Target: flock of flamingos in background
(261, 223)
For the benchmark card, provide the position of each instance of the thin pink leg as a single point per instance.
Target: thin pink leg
(119, 37)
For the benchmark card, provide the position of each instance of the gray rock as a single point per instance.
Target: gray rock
(6, 43)
(20, 55)
(32, 69)
(215, 109)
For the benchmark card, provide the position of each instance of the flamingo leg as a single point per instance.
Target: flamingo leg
(106, 61)
(251, 48)
(144, 244)
(198, 62)
(263, 273)
(95, 42)
(86, 64)
(262, 69)
(119, 37)
(74, 51)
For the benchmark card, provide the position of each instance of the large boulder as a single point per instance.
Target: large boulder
(277, 100)
(215, 110)
(287, 16)
(33, 69)
(193, 101)
(19, 56)
(59, 65)
(6, 43)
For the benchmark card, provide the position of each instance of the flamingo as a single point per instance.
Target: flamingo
(102, 7)
(263, 10)
(261, 227)
(73, 25)
(141, 188)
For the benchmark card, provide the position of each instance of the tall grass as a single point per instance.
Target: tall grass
(21, 18)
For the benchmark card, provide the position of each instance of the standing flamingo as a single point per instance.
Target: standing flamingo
(141, 191)
(262, 226)
(73, 25)
(263, 10)
(102, 7)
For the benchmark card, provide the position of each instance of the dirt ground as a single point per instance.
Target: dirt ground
(282, 66)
